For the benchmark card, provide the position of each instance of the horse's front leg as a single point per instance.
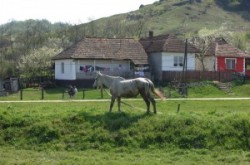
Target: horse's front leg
(111, 103)
(119, 103)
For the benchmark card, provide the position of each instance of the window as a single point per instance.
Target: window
(230, 63)
(178, 60)
(62, 67)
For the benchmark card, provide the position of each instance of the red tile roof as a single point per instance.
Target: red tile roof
(106, 48)
(166, 43)
(227, 50)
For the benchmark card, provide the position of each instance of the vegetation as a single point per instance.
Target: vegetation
(39, 39)
(183, 132)
(201, 90)
(208, 132)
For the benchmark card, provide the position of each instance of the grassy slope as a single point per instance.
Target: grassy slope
(203, 131)
(177, 17)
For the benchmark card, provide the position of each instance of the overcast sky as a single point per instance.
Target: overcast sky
(67, 11)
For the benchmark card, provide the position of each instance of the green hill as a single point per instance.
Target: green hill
(181, 17)
(177, 16)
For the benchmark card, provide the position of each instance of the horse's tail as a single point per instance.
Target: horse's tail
(158, 93)
(155, 91)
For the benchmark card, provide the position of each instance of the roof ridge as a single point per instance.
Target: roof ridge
(109, 38)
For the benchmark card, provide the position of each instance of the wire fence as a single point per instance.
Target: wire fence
(55, 94)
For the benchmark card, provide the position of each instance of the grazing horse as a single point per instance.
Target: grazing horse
(120, 87)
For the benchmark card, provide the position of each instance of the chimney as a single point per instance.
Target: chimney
(151, 34)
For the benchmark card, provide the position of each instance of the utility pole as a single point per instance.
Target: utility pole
(183, 82)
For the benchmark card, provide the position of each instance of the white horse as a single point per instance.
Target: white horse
(119, 87)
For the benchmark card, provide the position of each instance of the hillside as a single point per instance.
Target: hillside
(179, 17)
(20, 42)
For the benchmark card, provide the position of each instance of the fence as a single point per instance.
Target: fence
(198, 76)
(35, 81)
(57, 94)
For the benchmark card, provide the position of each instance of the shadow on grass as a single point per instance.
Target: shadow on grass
(109, 121)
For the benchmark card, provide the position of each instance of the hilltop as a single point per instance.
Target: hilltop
(177, 16)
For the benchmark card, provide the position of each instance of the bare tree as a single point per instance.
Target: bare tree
(205, 41)
(204, 44)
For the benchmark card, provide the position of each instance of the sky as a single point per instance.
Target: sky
(66, 11)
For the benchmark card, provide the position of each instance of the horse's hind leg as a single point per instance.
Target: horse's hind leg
(153, 103)
(111, 103)
(145, 98)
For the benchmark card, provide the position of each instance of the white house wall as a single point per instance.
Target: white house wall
(85, 68)
(69, 69)
(103, 65)
(168, 61)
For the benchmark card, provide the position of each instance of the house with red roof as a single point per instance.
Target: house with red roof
(224, 57)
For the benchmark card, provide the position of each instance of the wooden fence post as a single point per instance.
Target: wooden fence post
(21, 94)
(63, 94)
(83, 94)
(42, 94)
(101, 93)
(178, 108)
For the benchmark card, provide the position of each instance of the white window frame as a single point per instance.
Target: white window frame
(230, 63)
(178, 61)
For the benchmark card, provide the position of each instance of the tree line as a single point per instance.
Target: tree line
(26, 47)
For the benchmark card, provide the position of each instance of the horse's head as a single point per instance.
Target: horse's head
(97, 83)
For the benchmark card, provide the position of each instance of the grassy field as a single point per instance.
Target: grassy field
(201, 132)
(204, 91)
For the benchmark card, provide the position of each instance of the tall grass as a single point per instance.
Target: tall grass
(82, 126)
(61, 132)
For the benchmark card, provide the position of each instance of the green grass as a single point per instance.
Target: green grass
(203, 132)
(55, 94)
(166, 156)
(204, 91)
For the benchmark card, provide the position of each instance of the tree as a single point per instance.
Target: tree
(38, 62)
(239, 40)
(204, 44)
(205, 39)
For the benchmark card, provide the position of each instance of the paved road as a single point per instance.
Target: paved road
(104, 100)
